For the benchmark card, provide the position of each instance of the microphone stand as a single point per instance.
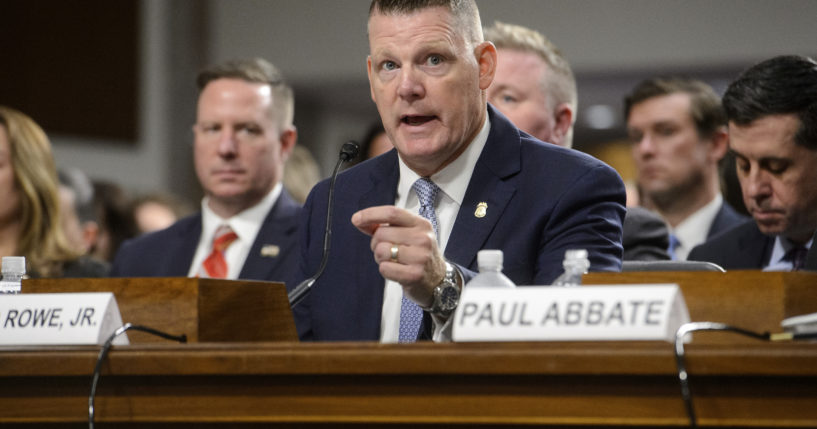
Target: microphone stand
(348, 152)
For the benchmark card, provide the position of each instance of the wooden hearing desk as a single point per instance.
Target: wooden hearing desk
(255, 384)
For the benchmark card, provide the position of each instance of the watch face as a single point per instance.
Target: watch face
(449, 297)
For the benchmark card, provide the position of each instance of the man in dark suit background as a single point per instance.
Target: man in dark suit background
(475, 180)
(247, 227)
(678, 131)
(772, 111)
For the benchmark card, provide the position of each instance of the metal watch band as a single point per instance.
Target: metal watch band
(450, 286)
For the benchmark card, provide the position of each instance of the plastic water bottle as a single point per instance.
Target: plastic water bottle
(490, 271)
(14, 268)
(575, 264)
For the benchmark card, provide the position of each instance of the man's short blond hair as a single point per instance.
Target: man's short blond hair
(465, 12)
(559, 82)
(256, 70)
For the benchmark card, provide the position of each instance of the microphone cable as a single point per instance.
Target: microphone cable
(103, 353)
(680, 356)
(348, 152)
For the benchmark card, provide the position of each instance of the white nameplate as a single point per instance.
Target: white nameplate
(802, 324)
(59, 319)
(550, 313)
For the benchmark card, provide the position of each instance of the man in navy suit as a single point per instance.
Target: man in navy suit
(247, 227)
(408, 224)
(772, 111)
(678, 130)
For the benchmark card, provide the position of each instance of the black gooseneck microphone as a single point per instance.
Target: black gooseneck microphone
(348, 152)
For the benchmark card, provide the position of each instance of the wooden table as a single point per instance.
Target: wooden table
(609, 384)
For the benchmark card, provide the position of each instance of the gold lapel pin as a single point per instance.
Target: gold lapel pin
(482, 210)
(270, 250)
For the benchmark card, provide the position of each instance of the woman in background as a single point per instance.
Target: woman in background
(30, 222)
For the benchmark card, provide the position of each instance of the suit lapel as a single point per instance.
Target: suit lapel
(275, 234)
(382, 182)
(755, 248)
(725, 219)
(768, 246)
(382, 191)
(500, 159)
(181, 255)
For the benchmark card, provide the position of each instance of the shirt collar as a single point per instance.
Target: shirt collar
(782, 245)
(453, 179)
(246, 223)
(694, 229)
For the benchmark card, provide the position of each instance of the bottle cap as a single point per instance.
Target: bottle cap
(14, 264)
(489, 258)
(576, 254)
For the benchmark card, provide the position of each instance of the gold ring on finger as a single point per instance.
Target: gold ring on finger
(394, 253)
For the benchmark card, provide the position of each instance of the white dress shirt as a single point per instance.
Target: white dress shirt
(246, 226)
(453, 182)
(693, 230)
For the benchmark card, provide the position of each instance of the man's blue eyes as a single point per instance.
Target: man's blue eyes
(433, 60)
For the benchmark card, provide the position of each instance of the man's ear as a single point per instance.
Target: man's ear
(369, 73)
(720, 144)
(288, 140)
(485, 53)
(563, 116)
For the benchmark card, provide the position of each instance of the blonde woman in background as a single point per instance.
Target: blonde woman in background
(301, 173)
(30, 222)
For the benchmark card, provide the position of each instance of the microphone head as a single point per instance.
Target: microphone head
(349, 150)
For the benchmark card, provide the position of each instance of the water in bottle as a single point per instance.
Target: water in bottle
(490, 271)
(14, 268)
(575, 264)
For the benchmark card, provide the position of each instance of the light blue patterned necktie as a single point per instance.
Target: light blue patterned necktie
(411, 315)
(673, 244)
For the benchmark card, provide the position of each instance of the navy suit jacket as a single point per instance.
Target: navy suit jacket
(169, 252)
(542, 200)
(726, 219)
(741, 248)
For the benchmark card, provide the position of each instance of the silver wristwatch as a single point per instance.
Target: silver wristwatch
(446, 294)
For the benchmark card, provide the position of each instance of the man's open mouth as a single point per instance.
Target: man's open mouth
(416, 120)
